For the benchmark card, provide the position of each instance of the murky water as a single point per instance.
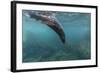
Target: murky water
(41, 43)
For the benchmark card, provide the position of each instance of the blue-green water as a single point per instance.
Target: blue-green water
(41, 43)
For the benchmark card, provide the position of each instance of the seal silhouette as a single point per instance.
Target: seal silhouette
(50, 21)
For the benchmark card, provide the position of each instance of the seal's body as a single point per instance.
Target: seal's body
(51, 22)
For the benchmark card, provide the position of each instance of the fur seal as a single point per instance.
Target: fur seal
(49, 21)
